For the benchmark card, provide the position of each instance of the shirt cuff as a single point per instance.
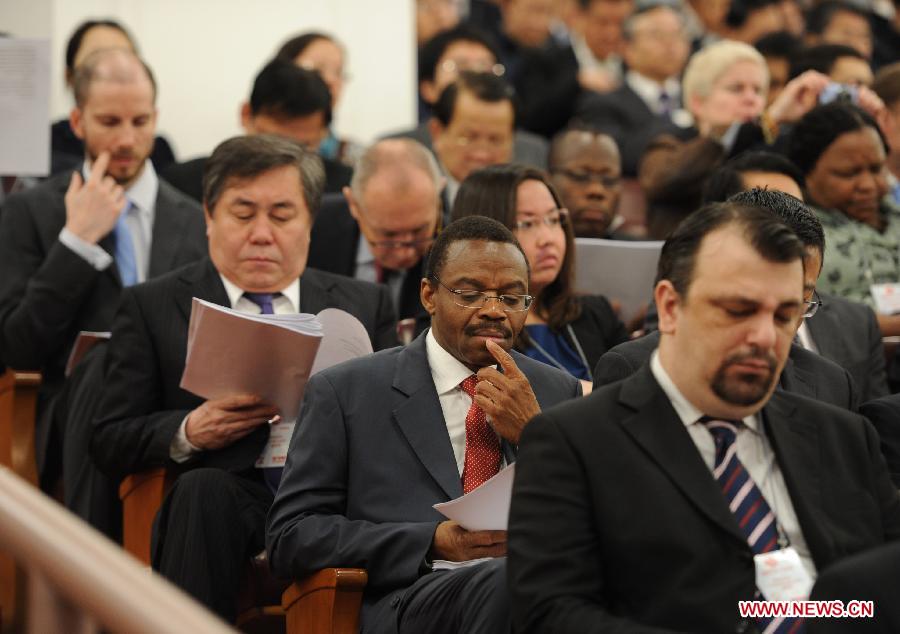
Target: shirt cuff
(181, 448)
(92, 253)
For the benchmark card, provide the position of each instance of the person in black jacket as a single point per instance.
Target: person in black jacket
(563, 329)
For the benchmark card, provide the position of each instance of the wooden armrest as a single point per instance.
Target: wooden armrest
(142, 495)
(18, 404)
(327, 602)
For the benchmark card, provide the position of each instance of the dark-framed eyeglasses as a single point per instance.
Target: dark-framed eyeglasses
(467, 298)
(813, 305)
(552, 219)
(584, 177)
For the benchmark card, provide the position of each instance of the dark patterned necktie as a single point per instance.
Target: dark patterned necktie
(482, 445)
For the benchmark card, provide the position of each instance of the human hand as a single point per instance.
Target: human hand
(506, 397)
(93, 207)
(222, 421)
(451, 542)
(799, 96)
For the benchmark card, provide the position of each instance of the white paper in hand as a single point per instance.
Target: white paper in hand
(485, 508)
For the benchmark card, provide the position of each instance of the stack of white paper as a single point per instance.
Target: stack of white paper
(485, 508)
(620, 270)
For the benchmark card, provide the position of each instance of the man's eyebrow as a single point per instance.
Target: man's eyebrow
(463, 281)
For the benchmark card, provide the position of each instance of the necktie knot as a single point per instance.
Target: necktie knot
(468, 385)
(263, 300)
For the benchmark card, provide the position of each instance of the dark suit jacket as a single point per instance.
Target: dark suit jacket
(804, 372)
(885, 415)
(626, 117)
(143, 406)
(333, 245)
(617, 523)
(188, 176)
(48, 293)
(369, 457)
(847, 333)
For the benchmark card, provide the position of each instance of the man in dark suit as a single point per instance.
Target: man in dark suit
(884, 413)
(656, 49)
(676, 483)
(260, 195)
(441, 59)
(286, 100)
(384, 225)
(382, 439)
(69, 245)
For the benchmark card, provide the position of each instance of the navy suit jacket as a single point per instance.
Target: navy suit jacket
(369, 457)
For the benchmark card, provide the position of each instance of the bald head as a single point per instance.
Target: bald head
(114, 65)
(395, 161)
(586, 169)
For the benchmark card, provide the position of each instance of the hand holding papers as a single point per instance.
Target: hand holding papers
(618, 269)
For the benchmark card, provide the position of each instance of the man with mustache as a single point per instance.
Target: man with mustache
(651, 503)
(70, 245)
(382, 439)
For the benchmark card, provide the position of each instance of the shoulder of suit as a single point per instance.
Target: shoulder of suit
(187, 274)
(341, 281)
(169, 195)
(362, 371)
(812, 409)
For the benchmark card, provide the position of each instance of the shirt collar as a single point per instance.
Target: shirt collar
(142, 192)
(686, 410)
(650, 90)
(447, 371)
(291, 292)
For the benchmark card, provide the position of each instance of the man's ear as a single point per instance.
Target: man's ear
(246, 118)
(426, 295)
(668, 303)
(428, 91)
(351, 203)
(76, 122)
(436, 129)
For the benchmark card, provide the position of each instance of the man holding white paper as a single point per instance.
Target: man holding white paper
(260, 196)
(381, 439)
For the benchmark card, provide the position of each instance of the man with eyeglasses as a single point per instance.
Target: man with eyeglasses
(383, 438)
(587, 172)
(473, 124)
(384, 224)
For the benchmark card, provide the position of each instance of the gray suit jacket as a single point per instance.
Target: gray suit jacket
(805, 372)
(369, 457)
(847, 333)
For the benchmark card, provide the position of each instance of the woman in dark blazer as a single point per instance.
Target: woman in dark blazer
(563, 329)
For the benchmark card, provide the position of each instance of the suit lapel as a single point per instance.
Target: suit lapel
(421, 419)
(797, 379)
(169, 221)
(314, 295)
(200, 280)
(656, 427)
(795, 441)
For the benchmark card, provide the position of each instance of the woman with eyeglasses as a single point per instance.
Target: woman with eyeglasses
(563, 329)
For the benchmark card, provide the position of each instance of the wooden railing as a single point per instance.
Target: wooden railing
(78, 581)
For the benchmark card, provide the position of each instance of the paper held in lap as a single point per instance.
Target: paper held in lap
(620, 270)
(273, 356)
(485, 508)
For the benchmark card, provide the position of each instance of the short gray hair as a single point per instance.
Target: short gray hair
(109, 64)
(394, 154)
(707, 65)
(245, 157)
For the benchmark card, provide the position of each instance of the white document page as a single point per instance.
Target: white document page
(485, 508)
(619, 270)
(24, 107)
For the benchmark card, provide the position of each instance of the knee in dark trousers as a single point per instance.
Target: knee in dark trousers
(209, 525)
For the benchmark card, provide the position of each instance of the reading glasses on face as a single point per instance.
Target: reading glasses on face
(476, 299)
(552, 219)
(812, 305)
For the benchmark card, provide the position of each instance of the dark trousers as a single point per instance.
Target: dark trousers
(472, 600)
(209, 526)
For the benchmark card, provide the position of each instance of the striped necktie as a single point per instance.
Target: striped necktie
(754, 517)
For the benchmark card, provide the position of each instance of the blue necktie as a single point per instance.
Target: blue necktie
(125, 256)
(753, 514)
(271, 475)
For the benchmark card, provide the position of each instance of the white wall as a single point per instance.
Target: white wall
(205, 54)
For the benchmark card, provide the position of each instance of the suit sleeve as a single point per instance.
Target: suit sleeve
(41, 294)
(612, 367)
(308, 528)
(884, 414)
(876, 375)
(130, 432)
(885, 491)
(554, 568)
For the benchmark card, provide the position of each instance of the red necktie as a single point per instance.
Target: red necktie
(482, 445)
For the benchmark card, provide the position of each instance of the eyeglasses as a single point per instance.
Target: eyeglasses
(813, 305)
(389, 245)
(452, 66)
(476, 299)
(553, 219)
(492, 143)
(583, 178)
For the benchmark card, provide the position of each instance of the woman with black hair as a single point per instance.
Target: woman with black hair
(842, 154)
(563, 329)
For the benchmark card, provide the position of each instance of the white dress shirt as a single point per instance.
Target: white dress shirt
(649, 91)
(805, 337)
(755, 453)
(286, 303)
(140, 216)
